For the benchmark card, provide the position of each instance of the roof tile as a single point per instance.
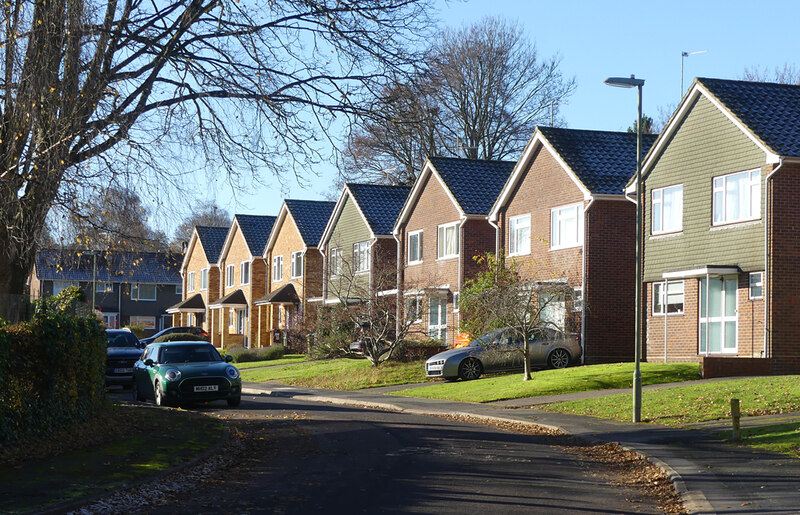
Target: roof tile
(380, 204)
(212, 239)
(127, 267)
(475, 183)
(256, 230)
(311, 217)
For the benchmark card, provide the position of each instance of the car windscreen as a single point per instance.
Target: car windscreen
(488, 338)
(189, 354)
(122, 339)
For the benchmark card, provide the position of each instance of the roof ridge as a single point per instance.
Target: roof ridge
(751, 82)
(472, 159)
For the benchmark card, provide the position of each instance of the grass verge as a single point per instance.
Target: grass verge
(287, 359)
(697, 403)
(90, 460)
(341, 374)
(553, 382)
(782, 438)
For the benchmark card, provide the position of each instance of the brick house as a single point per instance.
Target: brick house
(242, 279)
(721, 246)
(563, 216)
(359, 251)
(128, 288)
(200, 275)
(294, 267)
(442, 226)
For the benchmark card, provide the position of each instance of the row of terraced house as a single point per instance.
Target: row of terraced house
(721, 246)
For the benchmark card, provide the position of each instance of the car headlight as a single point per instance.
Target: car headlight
(172, 374)
(232, 372)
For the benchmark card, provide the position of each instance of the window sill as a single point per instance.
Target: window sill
(663, 235)
(576, 246)
(412, 263)
(447, 258)
(734, 225)
(520, 254)
(296, 277)
(661, 315)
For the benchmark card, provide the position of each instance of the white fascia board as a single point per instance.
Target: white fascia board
(607, 196)
(273, 235)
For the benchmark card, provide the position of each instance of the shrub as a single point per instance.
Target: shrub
(242, 355)
(52, 369)
(413, 350)
(180, 337)
(137, 330)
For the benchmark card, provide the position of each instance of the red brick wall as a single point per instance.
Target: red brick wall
(718, 366)
(478, 240)
(682, 330)
(751, 321)
(610, 227)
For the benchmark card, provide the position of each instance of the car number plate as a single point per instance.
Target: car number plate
(123, 371)
(206, 388)
(435, 368)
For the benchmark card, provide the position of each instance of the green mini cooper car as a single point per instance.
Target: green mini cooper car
(174, 373)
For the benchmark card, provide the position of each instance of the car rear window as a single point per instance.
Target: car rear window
(122, 339)
(189, 354)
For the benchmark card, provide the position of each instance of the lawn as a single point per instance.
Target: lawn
(288, 359)
(696, 403)
(782, 438)
(341, 374)
(552, 382)
(124, 444)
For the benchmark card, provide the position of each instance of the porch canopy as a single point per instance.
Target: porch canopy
(193, 304)
(286, 294)
(231, 300)
(703, 271)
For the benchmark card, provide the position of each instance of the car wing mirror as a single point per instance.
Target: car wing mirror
(148, 362)
(228, 358)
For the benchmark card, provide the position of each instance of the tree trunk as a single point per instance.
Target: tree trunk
(14, 268)
(527, 359)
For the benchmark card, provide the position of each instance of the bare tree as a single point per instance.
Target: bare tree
(787, 74)
(211, 216)
(648, 125)
(501, 298)
(479, 93)
(93, 90)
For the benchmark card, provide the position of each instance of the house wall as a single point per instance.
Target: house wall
(350, 228)
(196, 262)
(707, 144)
(237, 253)
(433, 208)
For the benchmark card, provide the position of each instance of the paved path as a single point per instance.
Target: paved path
(713, 477)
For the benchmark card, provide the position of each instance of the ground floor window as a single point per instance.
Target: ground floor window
(111, 320)
(718, 321)
(237, 320)
(148, 323)
(668, 296)
(437, 318)
(552, 309)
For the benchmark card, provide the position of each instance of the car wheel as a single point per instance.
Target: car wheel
(559, 358)
(160, 397)
(234, 401)
(470, 369)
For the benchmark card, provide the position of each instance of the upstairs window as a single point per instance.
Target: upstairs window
(297, 264)
(566, 226)
(190, 281)
(667, 209)
(141, 291)
(229, 278)
(244, 271)
(737, 197)
(361, 256)
(102, 287)
(335, 258)
(179, 289)
(204, 279)
(277, 269)
(519, 235)
(414, 247)
(447, 244)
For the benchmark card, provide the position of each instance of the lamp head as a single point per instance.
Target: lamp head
(624, 82)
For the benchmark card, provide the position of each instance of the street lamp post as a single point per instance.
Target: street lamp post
(624, 82)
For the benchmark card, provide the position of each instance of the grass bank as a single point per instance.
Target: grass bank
(553, 382)
(125, 444)
(287, 359)
(341, 374)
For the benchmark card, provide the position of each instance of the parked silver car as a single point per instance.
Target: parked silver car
(502, 350)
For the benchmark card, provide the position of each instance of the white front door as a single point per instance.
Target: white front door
(718, 315)
(437, 318)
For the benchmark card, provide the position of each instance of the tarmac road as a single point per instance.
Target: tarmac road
(323, 458)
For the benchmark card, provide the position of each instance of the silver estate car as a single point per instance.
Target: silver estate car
(501, 350)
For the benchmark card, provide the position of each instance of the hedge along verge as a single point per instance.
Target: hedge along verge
(52, 369)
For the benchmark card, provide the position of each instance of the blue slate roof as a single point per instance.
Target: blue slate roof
(771, 111)
(256, 230)
(603, 161)
(212, 239)
(126, 267)
(380, 204)
(311, 217)
(475, 183)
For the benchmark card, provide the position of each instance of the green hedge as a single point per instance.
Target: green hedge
(242, 355)
(52, 369)
(180, 337)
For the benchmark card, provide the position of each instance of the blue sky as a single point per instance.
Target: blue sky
(614, 38)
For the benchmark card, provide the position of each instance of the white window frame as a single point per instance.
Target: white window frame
(558, 215)
(190, 282)
(179, 289)
(244, 272)
(516, 224)
(441, 241)
(415, 260)
(277, 268)
(135, 288)
(759, 284)
(335, 261)
(719, 186)
(203, 279)
(361, 257)
(657, 196)
(417, 312)
(103, 287)
(665, 302)
(297, 269)
(145, 322)
(230, 279)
